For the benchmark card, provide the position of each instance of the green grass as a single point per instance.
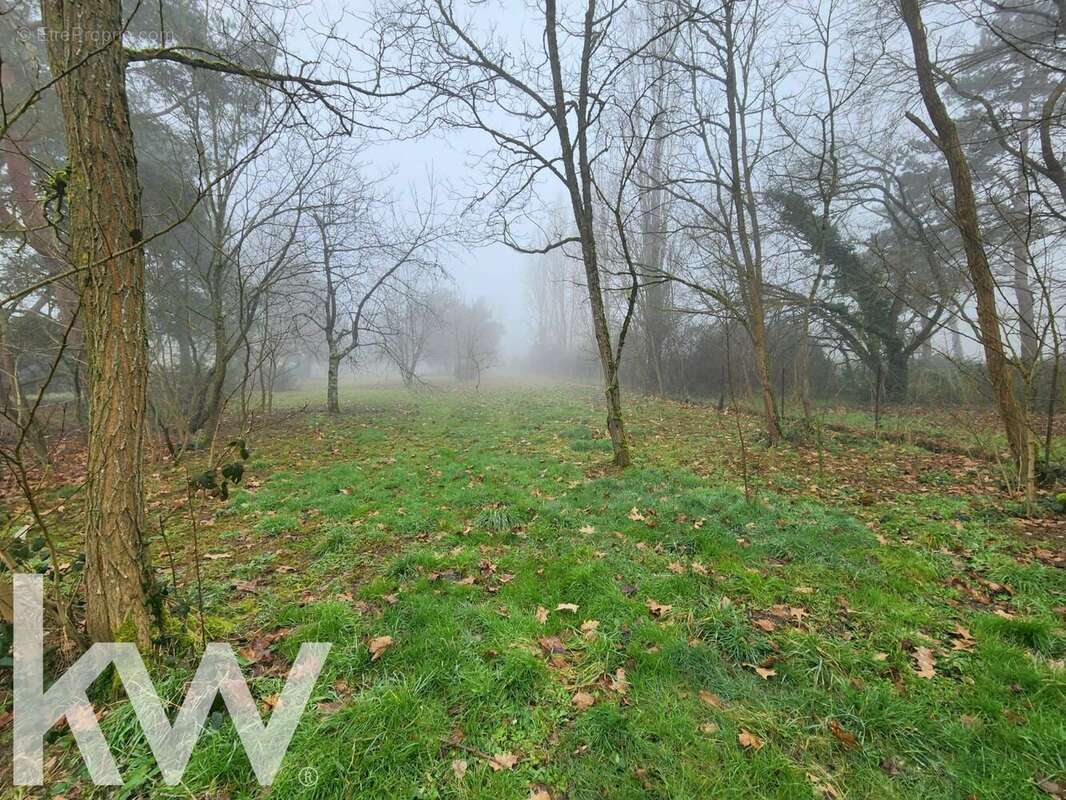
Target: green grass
(387, 512)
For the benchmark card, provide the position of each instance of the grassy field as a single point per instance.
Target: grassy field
(872, 621)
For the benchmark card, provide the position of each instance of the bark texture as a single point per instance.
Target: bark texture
(84, 46)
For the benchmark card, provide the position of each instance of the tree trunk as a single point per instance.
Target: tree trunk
(966, 220)
(897, 372)
(762, 367)
(612, 391)
(333, 405)
(105, 241)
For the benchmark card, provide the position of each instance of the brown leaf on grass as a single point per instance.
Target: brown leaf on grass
(764, 624)
(711, 699)
(589, 628)
(503, 760)
(552, 645)
(698, 568)
(1051, 788)
(827, 790)
(539, 794)
(657, 609)
(749, 741)
(583, 700)
(676, 567)
(635, 515)
(618, 682)
(708, 728)
(845, 737)
(246, 586)
(925, 662)
(542, 615)
(378, 645)
(586, 529)
(962, 638)
(459, 767)
(764, 673)
(571, 607)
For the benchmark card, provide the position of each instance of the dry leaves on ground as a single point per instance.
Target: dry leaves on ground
(749, 741)
(378, 645)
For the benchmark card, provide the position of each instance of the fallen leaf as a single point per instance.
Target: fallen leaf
(459, 768)
(890, 766)
(1051, 788)
(552, 645)
(963, 639)
(708, 728)
(635, 515)
(676, 567)
(845, 737)
(764, 624)
(378, 646)
(542, 615)
(711, 699)
(572, 608)
(504, 760)
(587, 529)
(583, 700)
(749, 741)
(618, 683)
(657, 609)
(765, 674)
(589, 627)
(925, 661)
(539, 794)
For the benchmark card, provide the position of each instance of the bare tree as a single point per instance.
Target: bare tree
(411, 315)
(716, 173)
(542, 109)
(365, 245)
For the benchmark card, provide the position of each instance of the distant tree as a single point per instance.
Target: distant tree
(475, 335)
(411, 315)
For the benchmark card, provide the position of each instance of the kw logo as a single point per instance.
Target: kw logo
(37, 710)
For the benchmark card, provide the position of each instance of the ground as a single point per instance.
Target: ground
(871, 621)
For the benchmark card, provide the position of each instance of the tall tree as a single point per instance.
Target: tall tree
(543, 112)
(945, 136)
(106, 233)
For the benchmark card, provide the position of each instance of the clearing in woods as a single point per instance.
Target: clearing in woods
(510, 618)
